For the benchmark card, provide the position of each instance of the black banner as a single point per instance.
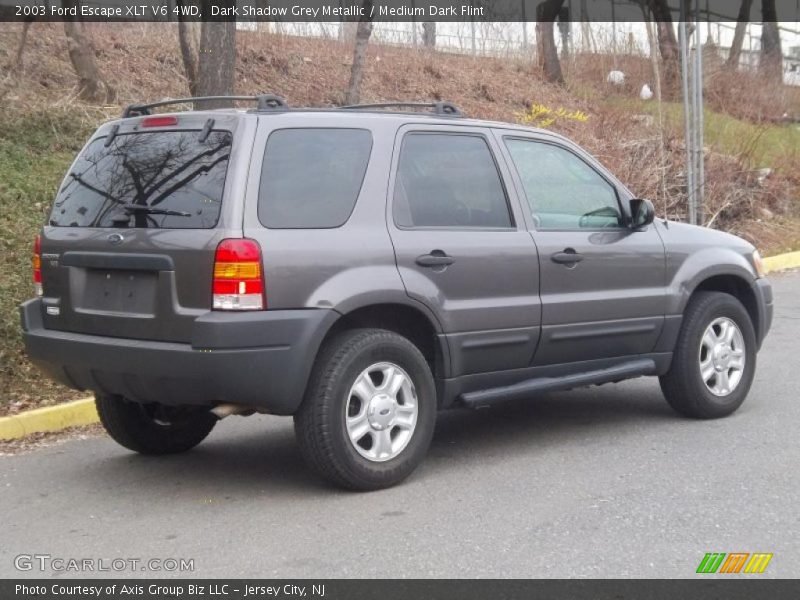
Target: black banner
(376, 10)
(733, 588)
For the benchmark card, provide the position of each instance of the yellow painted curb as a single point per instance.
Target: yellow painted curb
(49, 418)
(790, 260)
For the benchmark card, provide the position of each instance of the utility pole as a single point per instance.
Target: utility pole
(693, 118)
(699, 116)
(687, 117)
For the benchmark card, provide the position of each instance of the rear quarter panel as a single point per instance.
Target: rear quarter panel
(342, 268)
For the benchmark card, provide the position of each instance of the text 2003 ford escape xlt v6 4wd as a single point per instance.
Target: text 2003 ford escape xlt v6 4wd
(360, 269)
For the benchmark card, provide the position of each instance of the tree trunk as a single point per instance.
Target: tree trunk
(587, 38)
(565, 29)
(651, 42)
(584, 11)
(188, 49)
(347, 31)
(667, 42)
(23, 38)
(92, 85)
(429, 34)
(738, 35)
(546, 13)
(770, 62)
(216, 70)
(363, 33)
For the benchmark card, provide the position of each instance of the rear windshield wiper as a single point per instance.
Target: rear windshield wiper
(131, 208)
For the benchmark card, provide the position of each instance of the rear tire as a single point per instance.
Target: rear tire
(154, 428)
(714, 360)
(368, 415)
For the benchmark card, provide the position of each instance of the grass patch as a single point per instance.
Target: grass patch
(36, 148)
(755, 145)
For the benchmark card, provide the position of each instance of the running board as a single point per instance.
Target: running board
(626, 370)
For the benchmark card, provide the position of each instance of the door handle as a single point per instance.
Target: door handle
(436, 258)
(567, 257)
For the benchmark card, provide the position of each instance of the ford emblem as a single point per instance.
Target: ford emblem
(115, 238)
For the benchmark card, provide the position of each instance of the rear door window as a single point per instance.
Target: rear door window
(311, 177)
(449, 180)
(165, 179)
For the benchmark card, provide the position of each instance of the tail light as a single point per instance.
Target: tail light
(238, 277)
(37, 265)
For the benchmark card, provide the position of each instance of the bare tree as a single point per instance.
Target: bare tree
(216, 70)
(584, 10)
(347, 31)
(770, 62)
(92, 85)
(546, 13)
(16, 65)
(565, 30)
(188, 44)
(667, 42)
(653, 46)
(363, 34)
(429, 34)
(738, 35)
(587, 38)
(13, 66)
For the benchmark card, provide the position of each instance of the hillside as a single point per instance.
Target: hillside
(42, 126)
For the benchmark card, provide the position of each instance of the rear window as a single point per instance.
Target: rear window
(168, 179)
(311, 178)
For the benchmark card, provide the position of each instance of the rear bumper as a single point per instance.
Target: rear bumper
(256, 358)
(763, 292)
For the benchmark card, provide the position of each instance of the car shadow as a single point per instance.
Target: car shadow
(266, 461)
(555, 417)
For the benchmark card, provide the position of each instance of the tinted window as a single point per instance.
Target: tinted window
(448, 180)
(311, 177)
(165, 172)
(563, 191)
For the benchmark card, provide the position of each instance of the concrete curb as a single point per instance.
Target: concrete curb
(790, 260)
(83, 412)
(49, 418)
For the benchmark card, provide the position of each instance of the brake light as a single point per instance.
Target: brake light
(238, 277)
(159, 121)
(37, 265)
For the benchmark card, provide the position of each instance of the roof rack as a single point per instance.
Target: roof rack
(440, 108)
(264, 102)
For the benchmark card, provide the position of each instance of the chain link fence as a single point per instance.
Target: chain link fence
(518, 40)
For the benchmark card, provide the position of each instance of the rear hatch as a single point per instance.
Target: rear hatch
(129, 247)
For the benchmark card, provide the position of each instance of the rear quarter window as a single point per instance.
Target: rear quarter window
(165, 179)
(311, 177)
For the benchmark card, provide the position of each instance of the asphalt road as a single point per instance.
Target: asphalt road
(603, 482)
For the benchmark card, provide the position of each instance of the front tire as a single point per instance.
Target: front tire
(714, 360)
(369, 412)
(154, 428)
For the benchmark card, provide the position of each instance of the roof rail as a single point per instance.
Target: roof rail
(440, 108)
(264, 102)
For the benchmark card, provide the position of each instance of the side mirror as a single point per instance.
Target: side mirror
(642, 213)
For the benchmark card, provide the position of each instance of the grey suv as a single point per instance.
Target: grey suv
(360, 268)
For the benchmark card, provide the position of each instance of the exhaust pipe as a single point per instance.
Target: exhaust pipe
(226, 410)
